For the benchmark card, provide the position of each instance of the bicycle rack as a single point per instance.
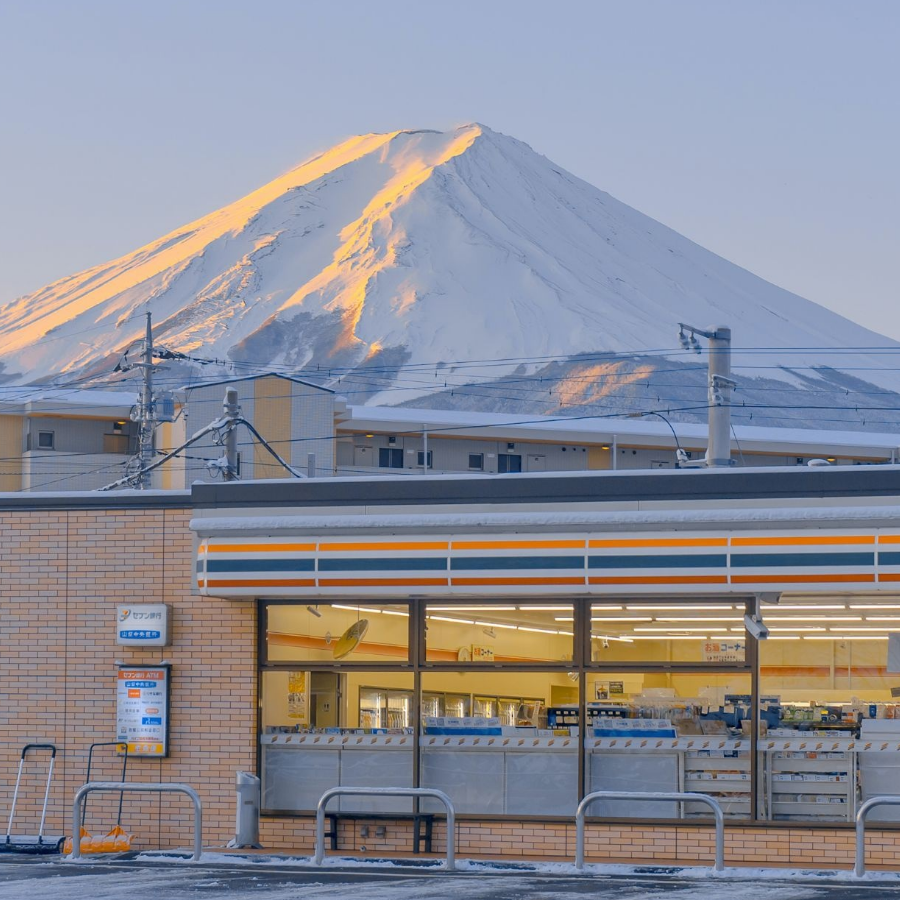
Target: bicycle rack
(859, 865)
(386, 792)
(655, 795)
(119, 786)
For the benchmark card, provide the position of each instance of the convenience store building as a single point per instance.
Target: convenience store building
(514, 641)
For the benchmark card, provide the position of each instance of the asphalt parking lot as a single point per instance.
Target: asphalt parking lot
(38, 878)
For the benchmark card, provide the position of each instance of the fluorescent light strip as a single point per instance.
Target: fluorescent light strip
(611, 637)
(795, 628)
(874, 606)
(365, 609)
(883, 618)
(812, 618)
(799, 606)
(551, 608)
(699, 619)
(538, 630)
(470, 608)
(623, 619)
(674, 628)
(677, 608)
(846, 637)
(669, 637)
(881, 629)
(495, 625)
(395, 612)
(785, 637)
(455, 621)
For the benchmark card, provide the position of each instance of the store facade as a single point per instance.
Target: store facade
(593, 642)
(514, 641)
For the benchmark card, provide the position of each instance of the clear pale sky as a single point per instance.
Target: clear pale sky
(768, 131)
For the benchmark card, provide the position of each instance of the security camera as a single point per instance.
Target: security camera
(756, 627)
(771, 597)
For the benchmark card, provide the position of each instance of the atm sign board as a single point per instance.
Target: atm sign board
(143, 625)
(142, 710)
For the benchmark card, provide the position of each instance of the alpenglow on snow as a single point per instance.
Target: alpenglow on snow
(397, 259)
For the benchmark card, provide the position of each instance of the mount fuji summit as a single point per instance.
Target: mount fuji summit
(454, 268)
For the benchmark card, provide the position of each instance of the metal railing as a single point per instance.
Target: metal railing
(859, 866)
(655, 795)
(386, 792)
(119, 786)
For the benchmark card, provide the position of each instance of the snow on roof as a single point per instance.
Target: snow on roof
(599, 427)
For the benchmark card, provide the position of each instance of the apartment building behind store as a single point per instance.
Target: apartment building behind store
(84, 439)
(516, 641)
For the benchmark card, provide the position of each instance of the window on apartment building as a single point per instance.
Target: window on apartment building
(420, 459)
(476, 461)
(390, 458)
(509, 462)
(45, 440)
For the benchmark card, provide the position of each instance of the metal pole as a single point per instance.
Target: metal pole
(146, 410)
(139, 787)
(232, 411)
(718, 452)
(859, 866)
(690, 796)
(319, 854)
(425, 449)
(310, 465)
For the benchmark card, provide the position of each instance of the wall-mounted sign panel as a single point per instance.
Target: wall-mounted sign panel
(142, 710)
(143, 624)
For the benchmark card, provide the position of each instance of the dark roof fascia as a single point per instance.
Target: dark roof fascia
(582, 487)
(25, 501)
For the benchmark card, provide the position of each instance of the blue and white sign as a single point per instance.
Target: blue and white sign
(143, 625)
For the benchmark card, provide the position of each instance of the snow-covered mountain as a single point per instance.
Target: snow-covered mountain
(425, 249)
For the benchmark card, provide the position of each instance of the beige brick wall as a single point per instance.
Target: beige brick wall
(61, 575)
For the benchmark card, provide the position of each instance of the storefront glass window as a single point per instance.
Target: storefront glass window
(665, 631)
(499, 632)
(657, 731)
(321, 729)
(503, 758)
(337, 632)
(830, 723)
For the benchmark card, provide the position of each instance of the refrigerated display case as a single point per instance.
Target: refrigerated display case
(380, 708)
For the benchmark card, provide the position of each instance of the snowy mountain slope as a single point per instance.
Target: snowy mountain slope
(421, 248)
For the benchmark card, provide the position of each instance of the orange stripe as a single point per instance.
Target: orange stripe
(797, 579)
(511, 581)
(387, 545)
(889, 539)
(381, 582)
(658, 579)
(889, 576)
(801, 541)
(662, 542)
(275, 582)
(518, 545)
(260, 548)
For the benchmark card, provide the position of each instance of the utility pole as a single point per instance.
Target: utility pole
(232, 414)
(719, 386)
(425, 448)
(146, 410)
